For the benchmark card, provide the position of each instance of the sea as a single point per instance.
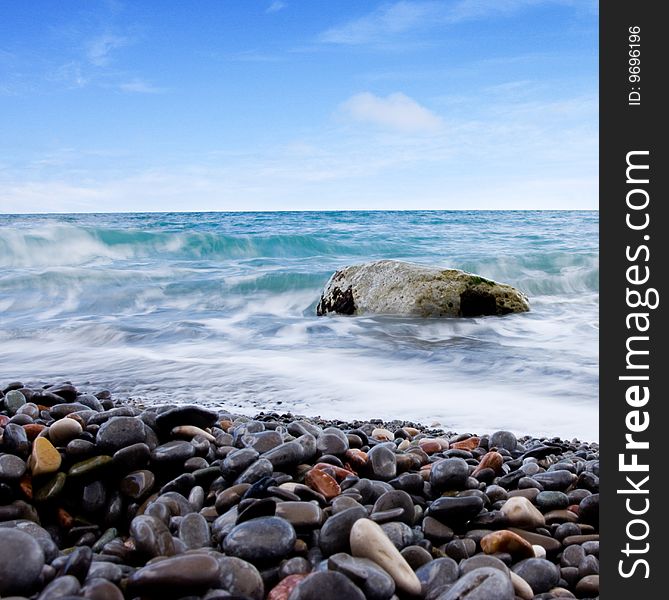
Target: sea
(220, 309)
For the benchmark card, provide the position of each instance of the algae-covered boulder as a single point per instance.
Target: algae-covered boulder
(393, 287)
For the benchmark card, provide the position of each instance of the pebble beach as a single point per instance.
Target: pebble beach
(106, 499)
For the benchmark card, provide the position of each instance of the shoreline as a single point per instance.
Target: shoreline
(114, 499)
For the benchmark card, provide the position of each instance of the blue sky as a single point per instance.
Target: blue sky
(290, 105)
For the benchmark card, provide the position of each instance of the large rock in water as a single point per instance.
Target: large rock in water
(393, 287)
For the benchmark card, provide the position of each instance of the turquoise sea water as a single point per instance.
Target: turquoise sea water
(220, 308)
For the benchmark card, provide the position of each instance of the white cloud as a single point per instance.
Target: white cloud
(405, 16)
(396, 111)
(139, 86)
(98, 50)
(387, 20)
(276, 6)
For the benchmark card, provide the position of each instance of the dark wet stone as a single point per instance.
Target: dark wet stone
(79, 449)
(374, 582)
(285, 456)
(588, 587)
(14, 400)
(194, 531)
(572, 556)
(93, 497)
(503, 439)
(15, 441)
(540, 574)
(61, 587)
(174, 452)
(332, 441)
(482, 560)
(186, 573)
(336, 531)
(437, 574)
(262, 540)
(186, 415)
(396, 499)
(21, 562)
(555, 480)
(547, 501)
(152, 537)
(416, 556)
(38, 533)
(138, 484)
(239, 577)
(132, 457)
(238, 460)
(101, 589)
(449, 474)
(266, 440)
(412, 483)
(588, 566)
(78, 563)
(455, 510)
(436, 531)
(565, 530)
(588, 510)
(12, 467)
(257, 471)
(383, 462)
(105, 570)
(91, 467)
(459, 549)
(483, 583)
(327, 585)
(400, 534)
(181, 484)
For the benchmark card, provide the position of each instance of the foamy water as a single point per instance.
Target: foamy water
(220, 308)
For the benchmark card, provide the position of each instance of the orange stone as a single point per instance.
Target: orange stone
(468, 444)
(333, 470)
(33, 430)
(285, 587)
(323, 483)
(430, 446)
(490, 460)
(65, 519)
(509, 542)
(45, 458)
(4, 419)
(357, 457)
(26, 485)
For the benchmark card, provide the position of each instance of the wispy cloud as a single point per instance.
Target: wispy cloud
(276, 6)
(393, 19)
(139, 86)
(100, 48)
(396, 111)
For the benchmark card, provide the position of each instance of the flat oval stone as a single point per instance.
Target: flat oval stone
(14, 400)
(383, 462)
(61, 587)
(12, 467)
(547, 501)
(368, 540)
(555, 480)
(542, 575)
(194, 531)
(262, 540)
(286, 455)
(521, 513)
(482, 560)
(300, 514)
(131, 458)
(119, 432)
(239, 577)
(503, 439)
(327, 585)
(335, 533)
(483, 583)
(90, 467)
(152, 537)
(449, 474)
(176, 451)
(44, 458)
(101, 589)
(64, 430)
(186, 573)
(51, 489)
(455, 510)
(396, 499)
(21, 562)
